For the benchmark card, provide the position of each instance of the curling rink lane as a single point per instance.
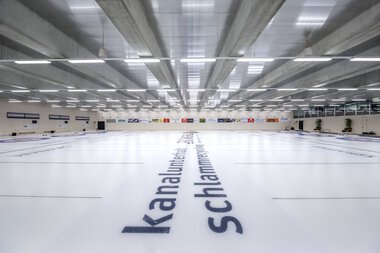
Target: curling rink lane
(186, 192)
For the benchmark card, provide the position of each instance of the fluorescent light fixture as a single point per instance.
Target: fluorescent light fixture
(53, 101)
(48, 91)
(255, 59)
(14, 101)
(276, 100)
(365, 59)
(56, 106)
(234, 100)
(225, 90)
(317, 89)
(256, 89)
(200, 60)
(86, 106)
(86, 61)
(109, 90)
(33, 62)
(286, 89)
(373, 89)
(303, 105)
(297, 100)
(339, 99)
(287, 105)
(306, 18)
(72, 101)
(142, 60)
(34, 101)
(132, 100)
(20, 91)
(318, 100)
(84, 7)
(196, 90)
(319, 105)
(313, 59)
(165, 90)
(198, 5)
(347, 89)
(92, 101)
(101, 106)
(310, 23)
(225, 106)
(255, 100)
(77, 90)
(359, 99)
(153, 100)
(147, 106)
(112, 100)
(116, 106)
(136, 90)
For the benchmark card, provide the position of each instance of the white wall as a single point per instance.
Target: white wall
(195, 115)
(8, 126)
(336, 124)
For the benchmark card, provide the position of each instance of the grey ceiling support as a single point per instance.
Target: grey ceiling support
(130, 19)
(342, 70)
(250, 21)
(22, 25)
(359, 30)
(49, 75)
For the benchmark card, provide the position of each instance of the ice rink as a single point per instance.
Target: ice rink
(281, 192)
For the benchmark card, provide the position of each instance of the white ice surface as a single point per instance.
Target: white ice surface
(292, 193)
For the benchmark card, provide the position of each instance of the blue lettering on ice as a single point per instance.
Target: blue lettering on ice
(166, 201)
(212, 190)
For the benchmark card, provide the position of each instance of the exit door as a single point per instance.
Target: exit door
(300, 125)
(101, 125)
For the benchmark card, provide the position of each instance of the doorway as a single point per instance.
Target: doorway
(101, 125)
(300, 125)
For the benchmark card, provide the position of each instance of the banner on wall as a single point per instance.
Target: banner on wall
(155, 120)
(247, 120)
(272, 120)
(187, 120)
(259, 120)
(122, 121)
(283, 119)
(133, 120)
(111, 121)
(166, 120)
(202, 120)
(228, 120)
(212, 120)
(175, 120)
(144, 121)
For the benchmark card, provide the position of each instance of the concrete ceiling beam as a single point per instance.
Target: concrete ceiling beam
(130, 19)
(250, 21)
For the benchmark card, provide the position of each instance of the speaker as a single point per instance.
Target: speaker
(14, 134)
